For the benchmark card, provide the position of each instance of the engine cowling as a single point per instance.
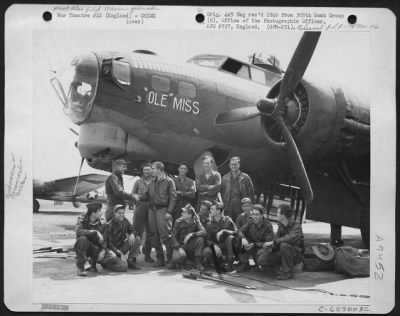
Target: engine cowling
(322, 119)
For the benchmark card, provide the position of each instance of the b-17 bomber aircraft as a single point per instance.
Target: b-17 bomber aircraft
(69, 190)
(287, 130)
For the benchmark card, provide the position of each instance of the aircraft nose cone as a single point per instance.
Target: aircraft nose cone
(83, 87)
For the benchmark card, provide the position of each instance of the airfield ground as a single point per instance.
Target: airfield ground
(55, 280)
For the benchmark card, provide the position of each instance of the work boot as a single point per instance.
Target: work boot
(159, 263)
(91, 269)
(132, 264)
(298, 267)
(337, 243)
(285, 275)
(82, 272)
(198, 265)
(229, 266)
(168, 247)
(171, 266)
(243, 266)
(149, 259)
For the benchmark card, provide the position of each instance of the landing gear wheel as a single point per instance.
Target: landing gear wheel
(364, 226)
(36, 206)
(76, 204)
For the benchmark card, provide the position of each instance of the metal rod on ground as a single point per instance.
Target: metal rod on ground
(50, 249)
(41, 249)
(248, 287)
(200, 275)
(301, 290)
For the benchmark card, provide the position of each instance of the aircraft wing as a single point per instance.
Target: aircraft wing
(65, 187)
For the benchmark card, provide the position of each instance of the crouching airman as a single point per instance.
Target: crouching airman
(187, 239)
(90, 238)
(288, 246)
(222, 236)
(121, 240)
(255, 235)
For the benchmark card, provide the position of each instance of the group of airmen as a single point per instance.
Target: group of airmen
(220, 227)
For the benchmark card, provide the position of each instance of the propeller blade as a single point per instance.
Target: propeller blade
(296, 162)
(77, 179)
(237, 115)
(298, 64)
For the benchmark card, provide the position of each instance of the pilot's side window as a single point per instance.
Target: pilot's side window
(121, 72)
(243, 72)
(160, 83)
(187, 89)
(258, 75)
(237, 68)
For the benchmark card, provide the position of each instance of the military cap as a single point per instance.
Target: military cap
(323, 251)
(246, 200)
(118, 162)
(206, 203)
(189, 208)
(94, 206)
(219, 204)
(259, 207)
(118, 206)
(184, 163)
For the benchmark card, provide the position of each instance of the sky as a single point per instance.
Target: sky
(341, 57)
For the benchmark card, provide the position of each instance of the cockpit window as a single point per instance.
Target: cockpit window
(237, 68)
(121, 72)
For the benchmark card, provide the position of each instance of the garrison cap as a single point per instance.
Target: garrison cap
(184, 163)
(188, 208)
(94, 206)
(118, 206)
(118, 162)
(246, 200)
(206, 203)
(259, 207)
(219, 204)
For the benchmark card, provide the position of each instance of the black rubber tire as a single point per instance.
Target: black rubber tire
(365, 227)
(36, 206)
(76, 204)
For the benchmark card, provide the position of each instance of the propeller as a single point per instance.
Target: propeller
(275, 108)
(296, 162)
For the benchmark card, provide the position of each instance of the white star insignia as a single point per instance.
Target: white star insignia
(92, 195)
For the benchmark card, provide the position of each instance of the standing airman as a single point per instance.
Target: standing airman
(235, 186)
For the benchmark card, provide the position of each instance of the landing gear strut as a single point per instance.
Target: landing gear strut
(364, 226)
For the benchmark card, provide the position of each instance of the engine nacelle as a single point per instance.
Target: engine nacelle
(322, 119)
